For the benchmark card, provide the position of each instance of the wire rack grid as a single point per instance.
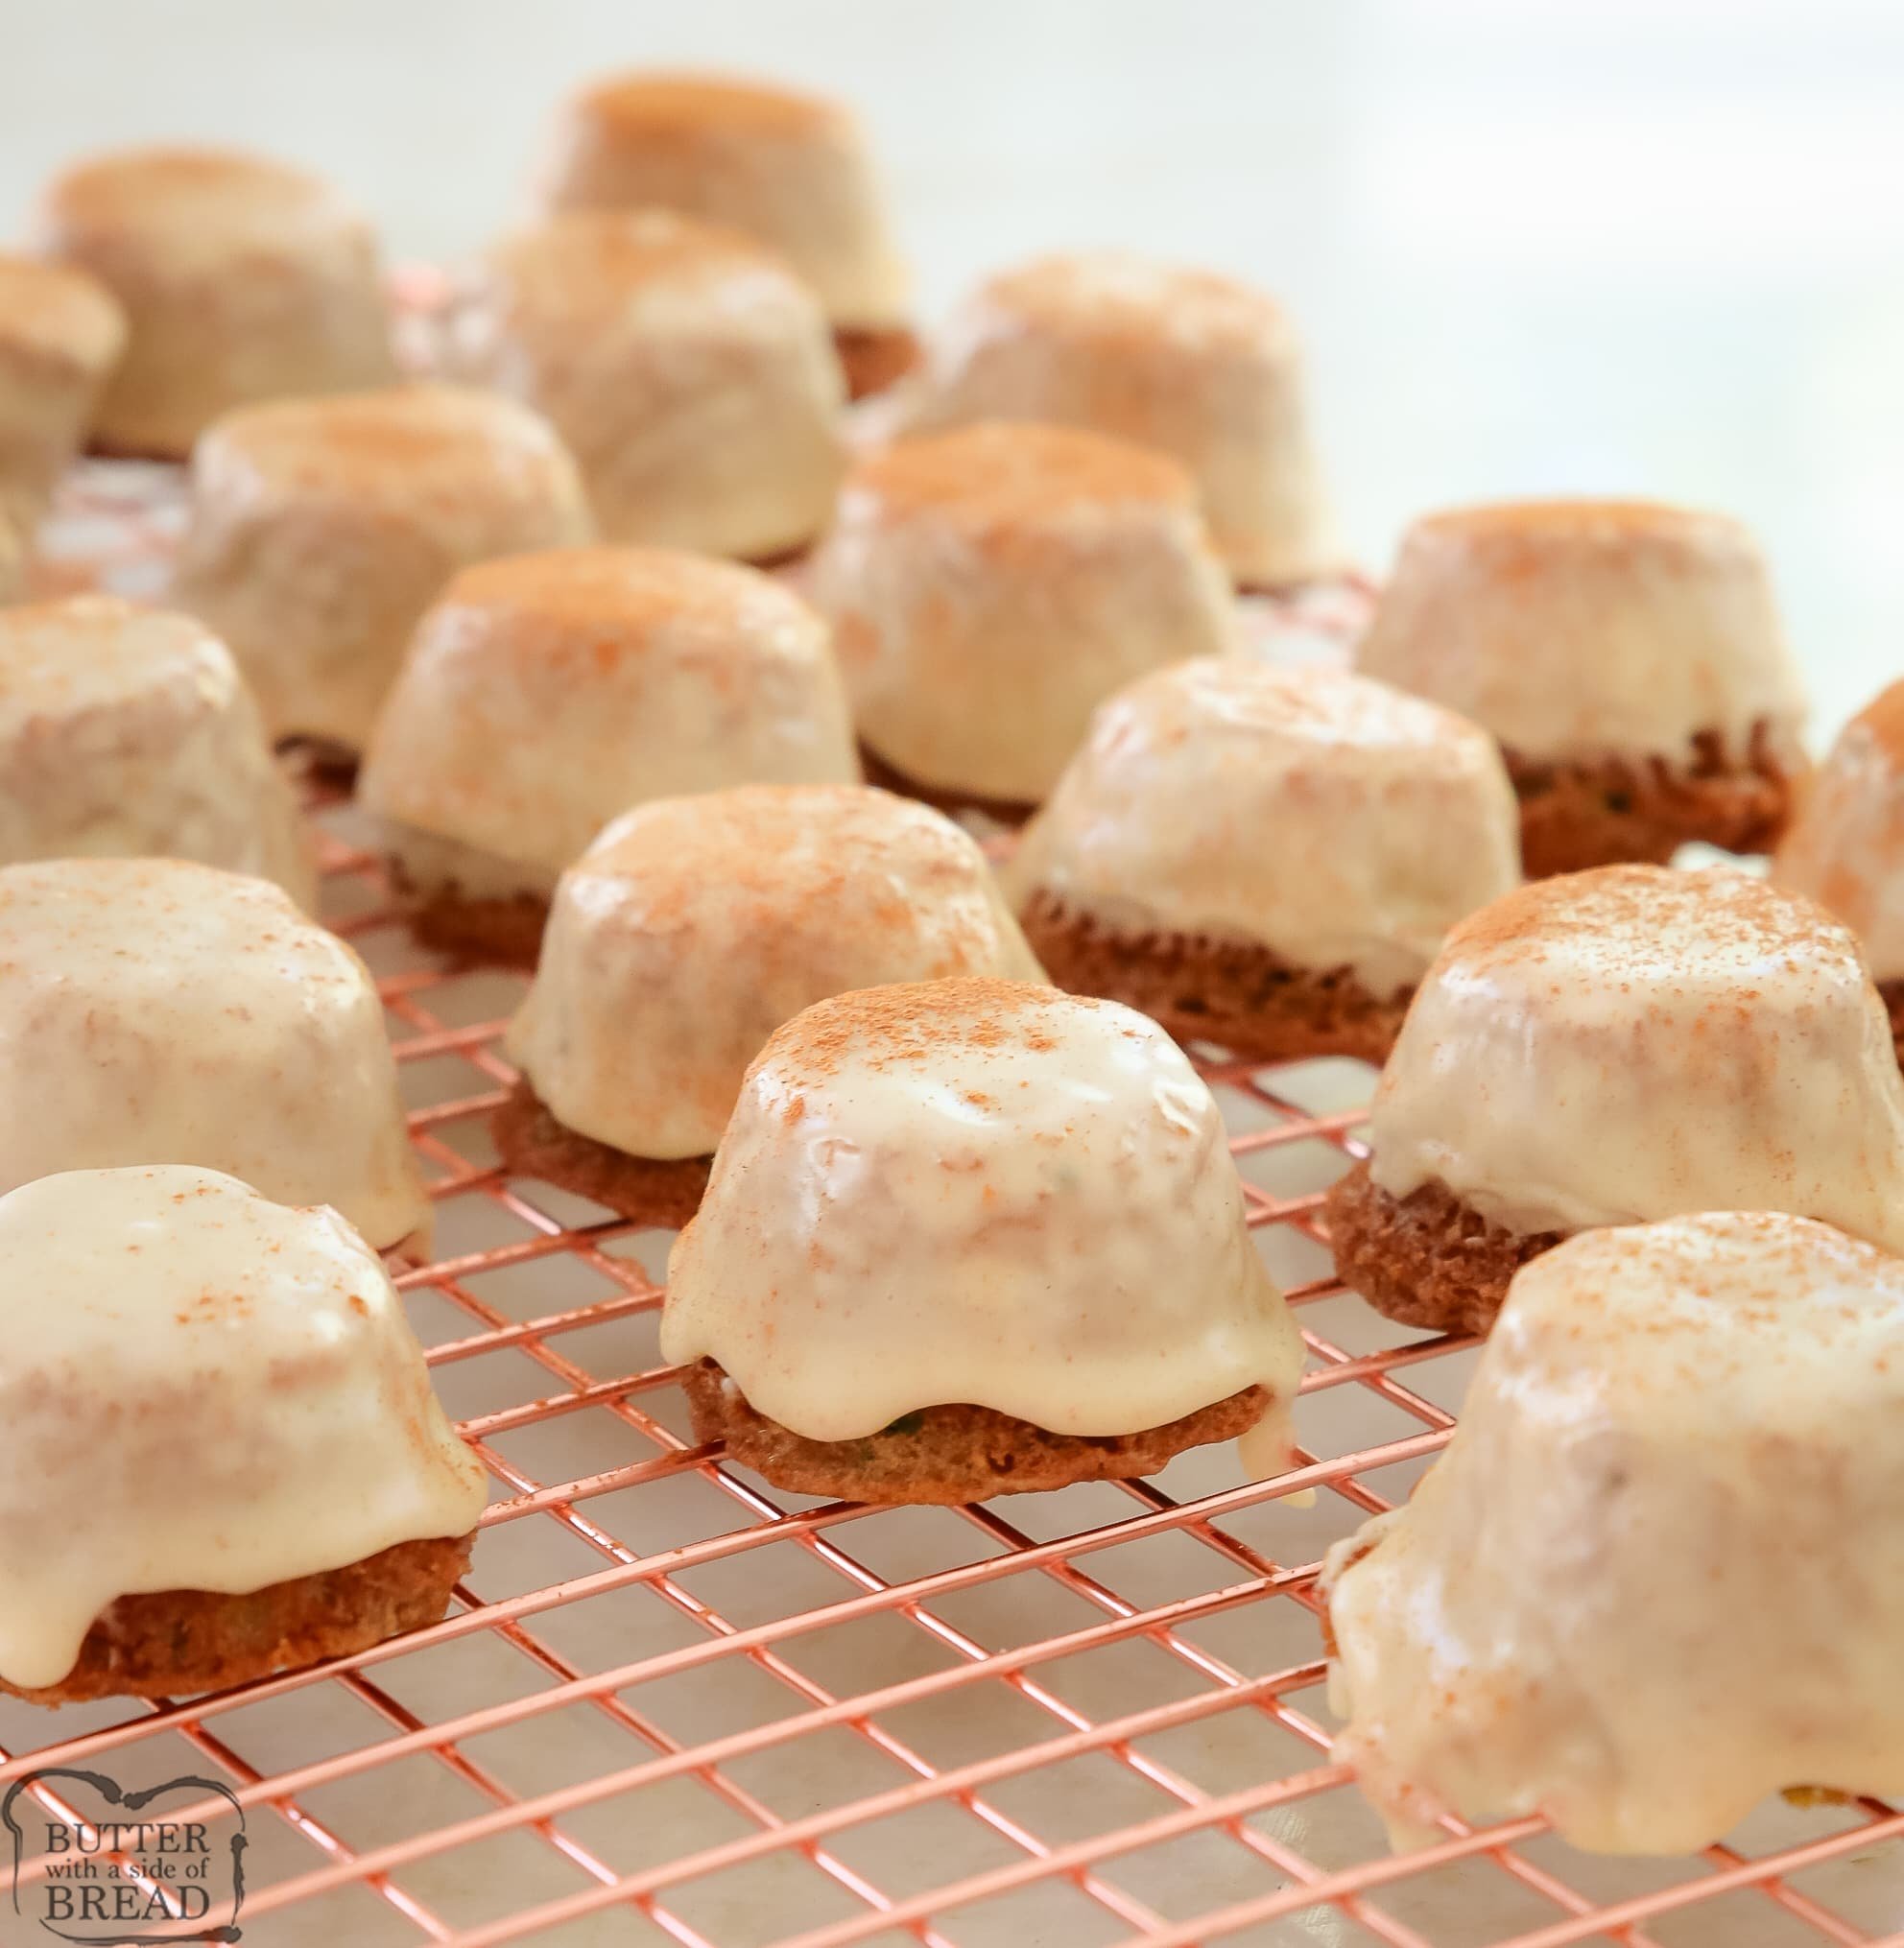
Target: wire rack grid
(673, 1705)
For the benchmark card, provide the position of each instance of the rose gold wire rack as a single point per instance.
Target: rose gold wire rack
(672, 1704)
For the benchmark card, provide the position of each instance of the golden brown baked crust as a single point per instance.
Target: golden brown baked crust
(1609, 811)
(320, 763)
(1426, 1259)
(193, 1640)
(947, 1454)
(874, 359)
(506, 930)
(890, 778)
(664, 1192)
(1237, 993)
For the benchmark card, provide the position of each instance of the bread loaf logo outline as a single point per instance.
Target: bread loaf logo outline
(129, 1883)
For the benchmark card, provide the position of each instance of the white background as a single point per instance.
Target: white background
(1652, 246)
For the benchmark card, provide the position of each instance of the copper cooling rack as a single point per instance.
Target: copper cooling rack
(673, 1705)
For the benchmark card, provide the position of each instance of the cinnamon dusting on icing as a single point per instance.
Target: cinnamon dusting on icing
(1001, 475)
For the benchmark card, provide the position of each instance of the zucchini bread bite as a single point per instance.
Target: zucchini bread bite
(688, 370)
(544, 695)
(62, 332)
(321, 530)
(223, 1455)
(242, 280)
(1610, 1048)
(127, 731)
(791, 170)
(1268, 859)
(687, 934)
(989, 589)
(1656, 1574)
(1630, 658)
(156, 1010)
(1845, 847)
(1186, 361)
(975, 1237)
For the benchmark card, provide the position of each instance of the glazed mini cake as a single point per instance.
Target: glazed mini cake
(969, 1237)
(321, 529)
(687, 934)
(156, 1009)
(989, 588)
(790, 170)
(545, 694)
(243, 279)
(127, 732)
(61, 335)
(1610, 1048)
(1201, 368)
(1265, 858)
(1628, 657)
(223, 1455)
(1846, 846)
(688, 370)
(1671, 1498)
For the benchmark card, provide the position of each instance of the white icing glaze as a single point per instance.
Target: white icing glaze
(1653, 1577)
(61, 333)
(321, 529)
(694, 927)
(243, 279)
(1588, 628)
(690, 372)
(157, 1012)
(127, 732)
(989, 588)
(1324, 816)
(646, 673)
(977, 1192)
(203, 1391)
(1633, 1043)
(1845, 847)
(791, 170)
(1186, 361)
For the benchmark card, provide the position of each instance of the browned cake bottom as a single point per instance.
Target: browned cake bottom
(1426, 1259)
(97, 448)
(665, 1192)
(872, 359)
(890, 778)
(192, 1640)
(1893, 993)
(1610, 809)
(1244, 996)
(947, 1454)
(320, 761)
(506, 929)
